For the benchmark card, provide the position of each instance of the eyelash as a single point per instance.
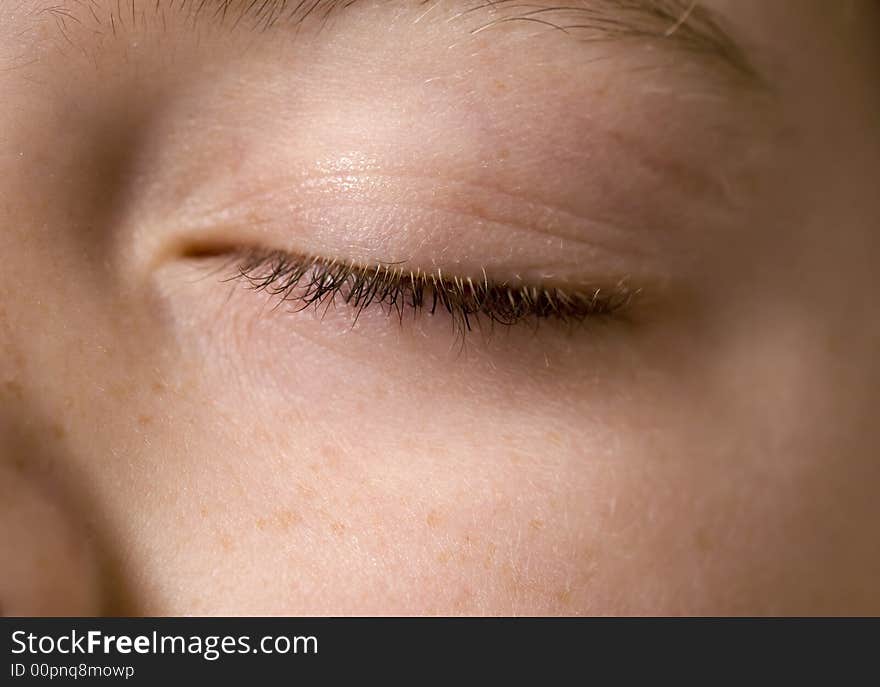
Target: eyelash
(316, 281)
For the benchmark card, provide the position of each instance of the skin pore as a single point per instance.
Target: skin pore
(175, 441)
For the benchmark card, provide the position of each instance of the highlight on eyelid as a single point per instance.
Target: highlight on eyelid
(316, 281)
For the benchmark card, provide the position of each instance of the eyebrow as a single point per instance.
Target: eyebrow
(678, 24)
(682, 24)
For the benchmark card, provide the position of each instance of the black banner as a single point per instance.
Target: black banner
(283, 650)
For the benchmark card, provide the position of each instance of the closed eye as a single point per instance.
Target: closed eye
(312, 281)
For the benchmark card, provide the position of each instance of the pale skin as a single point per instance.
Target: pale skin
(173, 443)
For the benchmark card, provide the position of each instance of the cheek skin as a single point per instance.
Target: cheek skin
(376, 479)
(375, 490)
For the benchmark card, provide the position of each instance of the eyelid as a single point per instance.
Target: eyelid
(317, 281)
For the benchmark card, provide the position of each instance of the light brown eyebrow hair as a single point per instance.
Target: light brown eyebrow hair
(682, 24)
(679, 24)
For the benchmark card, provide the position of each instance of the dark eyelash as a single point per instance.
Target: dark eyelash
(313, 281)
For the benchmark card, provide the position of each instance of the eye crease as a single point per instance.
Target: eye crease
(312, 281)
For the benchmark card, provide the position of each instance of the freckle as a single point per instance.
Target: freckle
(338, 528)
(478, 211)
(433, 519)
(203, 511)
(121, 391)
(500, 86)
(511, 575)
(144, 420)
(314, 467)
(564, 597)
(225, 543)
(14, 389)
(158, 387)
(286, 519)
(490, 556)
(306, 491)
(536, 524)
(58, 431)
(702, 541)
(260, 523)
(503, 154)
(553, 438)
(443, 557)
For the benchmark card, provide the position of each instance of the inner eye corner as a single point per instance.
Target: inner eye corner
(205, 250)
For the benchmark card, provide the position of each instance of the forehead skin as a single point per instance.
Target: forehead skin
(177, 444)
